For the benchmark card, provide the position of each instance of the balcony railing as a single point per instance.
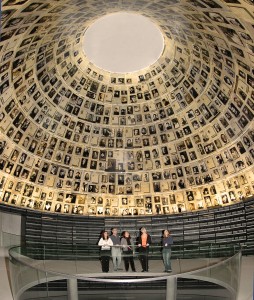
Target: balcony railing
(30, 268)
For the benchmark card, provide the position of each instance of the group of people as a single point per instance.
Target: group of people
(114, 246)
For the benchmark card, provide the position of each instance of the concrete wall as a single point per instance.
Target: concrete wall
(10, 229)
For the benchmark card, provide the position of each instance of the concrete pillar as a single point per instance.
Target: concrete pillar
(72, 288)
(171, 288)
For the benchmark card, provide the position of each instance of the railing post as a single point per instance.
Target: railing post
(72, 288)
(46, 273)
(76, 258)
(171, 288)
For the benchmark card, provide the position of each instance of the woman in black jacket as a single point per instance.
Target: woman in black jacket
(128, 251)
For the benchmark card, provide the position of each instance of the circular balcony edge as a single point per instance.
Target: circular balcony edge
(136, 277)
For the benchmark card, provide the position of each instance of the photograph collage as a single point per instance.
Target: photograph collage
(177, 136)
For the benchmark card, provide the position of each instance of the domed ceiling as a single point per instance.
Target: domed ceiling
(175, 136)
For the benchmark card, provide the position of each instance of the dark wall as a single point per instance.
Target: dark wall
(193, 232)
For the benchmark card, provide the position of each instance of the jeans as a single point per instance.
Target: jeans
(116, 257)
(166, 254)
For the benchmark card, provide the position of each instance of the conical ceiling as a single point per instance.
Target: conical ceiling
(175, 136)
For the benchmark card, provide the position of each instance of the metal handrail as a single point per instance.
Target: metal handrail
(178, 251)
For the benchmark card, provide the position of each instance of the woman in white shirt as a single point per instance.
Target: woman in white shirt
(105, 242)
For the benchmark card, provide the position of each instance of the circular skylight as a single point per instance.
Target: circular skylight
(123, 42)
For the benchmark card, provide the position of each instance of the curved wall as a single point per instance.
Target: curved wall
(176, 136)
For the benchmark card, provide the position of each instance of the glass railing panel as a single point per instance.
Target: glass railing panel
(16, 285)
(77, 261)
(38, 291)
(28, 271)
(225, 273)
(23, 277)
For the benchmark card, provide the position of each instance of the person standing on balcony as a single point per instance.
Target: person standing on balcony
(144, 241)
(167, 242)
(128, 251)
(116, 249)
(106, 243)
